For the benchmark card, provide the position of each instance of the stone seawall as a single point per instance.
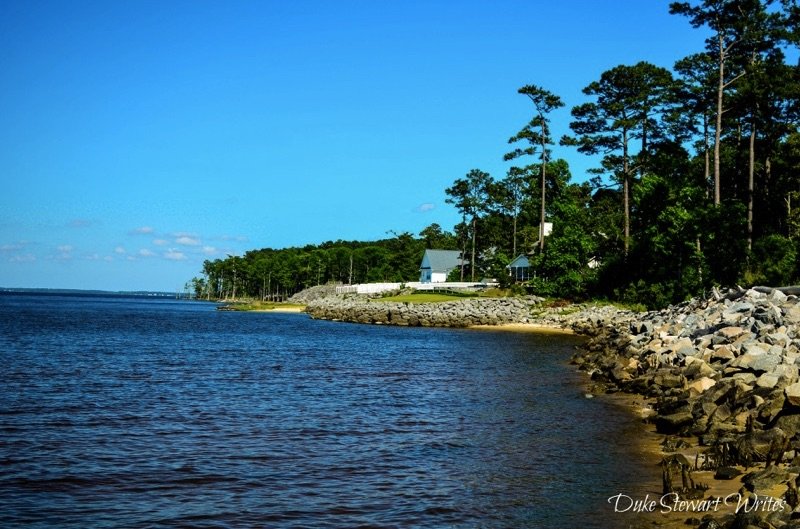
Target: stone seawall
(722, 383)
(462, 313)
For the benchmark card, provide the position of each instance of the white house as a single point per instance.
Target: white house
(437, 264)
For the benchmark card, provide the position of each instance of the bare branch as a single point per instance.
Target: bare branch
(726, 85)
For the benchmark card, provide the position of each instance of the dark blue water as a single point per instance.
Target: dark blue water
(129, 413)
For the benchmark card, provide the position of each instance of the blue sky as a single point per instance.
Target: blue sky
(140, 138)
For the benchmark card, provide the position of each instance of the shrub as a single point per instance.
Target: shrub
(773, 262)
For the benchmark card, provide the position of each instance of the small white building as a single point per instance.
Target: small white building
(548, 228)
(520, 268)
(437, 264)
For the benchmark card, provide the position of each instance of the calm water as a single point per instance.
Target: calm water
(131, 413)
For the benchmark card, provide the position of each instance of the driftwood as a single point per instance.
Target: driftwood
(675, 465)
(789, 291)
(738, 292)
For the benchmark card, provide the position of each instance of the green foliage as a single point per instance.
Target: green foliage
(275, 274)
(724, 241)
(774, 262)
(437, 239)
(647, 294)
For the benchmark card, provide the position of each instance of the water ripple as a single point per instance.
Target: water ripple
(120, 414)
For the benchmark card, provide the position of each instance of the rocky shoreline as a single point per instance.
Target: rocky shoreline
(462, 313)
(720, 377)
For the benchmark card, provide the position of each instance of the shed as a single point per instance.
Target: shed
(520, 268)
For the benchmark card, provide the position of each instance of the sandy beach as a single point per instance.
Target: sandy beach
(524, 327)
(287, 309)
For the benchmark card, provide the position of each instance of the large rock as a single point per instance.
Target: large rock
(791, 315)
(766, 363)
(788, 421)
(760, 482)
(700, 385)
(696, 368)
(723, 353)
(667, 379)
(767, 381)
(792, 393)
(674, 423)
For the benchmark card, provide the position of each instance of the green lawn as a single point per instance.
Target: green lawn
(425, 297)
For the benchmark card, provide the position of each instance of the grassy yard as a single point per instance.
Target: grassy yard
(438, 297)
(426, 297)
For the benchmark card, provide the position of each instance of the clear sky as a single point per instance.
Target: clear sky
(140, 138)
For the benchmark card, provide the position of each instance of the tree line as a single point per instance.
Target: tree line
(697, 182)
(275, 274)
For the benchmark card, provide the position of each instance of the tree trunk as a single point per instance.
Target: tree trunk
(626, 192)
(750, 185)
(699, 260)
(514, 243)
(463, 246)
(718, 127)
(544, 187)
(472, 264)
(643, 154)
(707, 154)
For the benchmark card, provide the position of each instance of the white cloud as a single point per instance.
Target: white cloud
(160, 242)
(424, 208)
(187, 240)
(108, 258)
(80, 223)
(12, 247)
(143, 230)
(235, 238)
(144, 252)
(64, 252)
(22, 258)
(174, 255)
(210, 250)
(120, 250)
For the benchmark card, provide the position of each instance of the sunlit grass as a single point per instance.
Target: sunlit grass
(439, 297)
(425, 297)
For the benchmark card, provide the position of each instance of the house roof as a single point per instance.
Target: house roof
(441, 260)
(520, 262)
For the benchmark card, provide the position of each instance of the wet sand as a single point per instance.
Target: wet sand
(524, 327)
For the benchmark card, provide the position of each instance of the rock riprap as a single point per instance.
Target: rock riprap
(461, 313)
(723, 370)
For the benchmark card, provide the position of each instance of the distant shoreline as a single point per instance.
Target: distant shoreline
(89, 292)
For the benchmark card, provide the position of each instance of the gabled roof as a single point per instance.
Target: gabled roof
(441, 260)
(520, 262)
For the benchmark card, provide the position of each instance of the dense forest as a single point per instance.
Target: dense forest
(697, 184)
